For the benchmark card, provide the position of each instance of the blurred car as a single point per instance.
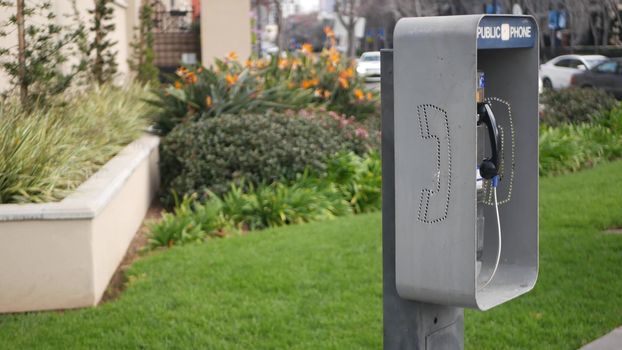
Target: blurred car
(368, 65)
(557, 72)
(606, 76)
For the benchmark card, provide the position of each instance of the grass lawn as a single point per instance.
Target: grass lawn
(318, 286)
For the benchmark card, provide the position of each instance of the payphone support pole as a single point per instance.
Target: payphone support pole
(408, 325)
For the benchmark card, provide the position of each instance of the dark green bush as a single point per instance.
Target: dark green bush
(574, 105)
(208, 155)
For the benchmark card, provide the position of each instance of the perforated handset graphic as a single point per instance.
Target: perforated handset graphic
(434, 197)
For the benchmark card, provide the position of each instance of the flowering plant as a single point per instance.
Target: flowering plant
(293, 80)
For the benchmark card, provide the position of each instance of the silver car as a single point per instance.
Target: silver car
(556, 73)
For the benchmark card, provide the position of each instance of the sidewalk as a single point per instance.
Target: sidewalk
(610, 341)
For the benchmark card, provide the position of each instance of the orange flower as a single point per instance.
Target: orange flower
(370, 96)
(231, 79)
(359, 94)
(248, 63)
(334, 56)
(200, 69)
(306, 48)
(347, 73)
(178, 85)
(309, 83)
(318, 93)
(296, 63)
(208, 101)
(181, 71)
(261, 63)
(327, 94)
(191, 78)
(232, 56)
(344, 83)
(283, 63)
(329, 32)
(330, 69)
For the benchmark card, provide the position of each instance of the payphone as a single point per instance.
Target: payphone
(466, 158)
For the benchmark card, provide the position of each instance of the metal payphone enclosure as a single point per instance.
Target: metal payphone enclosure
(436, 60)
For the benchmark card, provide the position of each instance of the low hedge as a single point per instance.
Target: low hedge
(571, 147)
(210, 154)
(351, 184)
(574, 105)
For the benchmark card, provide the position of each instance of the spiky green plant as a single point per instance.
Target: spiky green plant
(48, 152)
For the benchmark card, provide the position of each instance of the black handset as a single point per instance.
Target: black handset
(489, 168)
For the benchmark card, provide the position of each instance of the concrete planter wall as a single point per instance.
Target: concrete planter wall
(62, 255)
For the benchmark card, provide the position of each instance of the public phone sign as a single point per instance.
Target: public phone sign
(502, 32)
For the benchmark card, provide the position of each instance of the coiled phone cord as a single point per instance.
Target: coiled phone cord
(495, 182)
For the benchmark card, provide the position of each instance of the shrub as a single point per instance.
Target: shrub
(574, 105)
(189, 222)
(351, 184)
(570, 147)
(612, 119)
(294, 81)
(278, 204)
(228, 88)
(358, 179)
(255, 208)
(258, 148)
(46, 153)
(330, 77)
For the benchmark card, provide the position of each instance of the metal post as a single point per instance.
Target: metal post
(408, 325)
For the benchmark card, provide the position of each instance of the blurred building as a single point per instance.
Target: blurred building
(187, 31)
(125, 18)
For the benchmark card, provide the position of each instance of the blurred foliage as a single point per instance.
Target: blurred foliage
(48, 45)
(254, 148)
(571, 147)
(574, 105)
(358, 179)
(351, 184)
(279, 204)
(45, 153)
(189, 222)
(143, 55)
(292, 80)
(103, 65)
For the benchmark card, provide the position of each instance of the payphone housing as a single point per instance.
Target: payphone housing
(439, 62)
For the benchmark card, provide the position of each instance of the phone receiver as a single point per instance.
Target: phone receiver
(489, 168)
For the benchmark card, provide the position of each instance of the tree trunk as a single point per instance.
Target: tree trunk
(279, 23)
(259, 30)
(606, 24)
(21, 54)
(348, 9)
(351, 38)
(98, 65)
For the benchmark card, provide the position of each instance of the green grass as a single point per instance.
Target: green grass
(318, 286)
